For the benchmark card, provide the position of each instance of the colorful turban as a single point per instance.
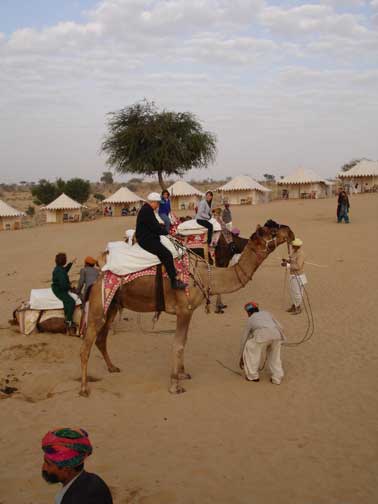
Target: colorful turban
(251, 307)
(89, 260)
(66, 447)
(235, 231)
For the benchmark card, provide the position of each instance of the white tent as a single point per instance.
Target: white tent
(363, 177)
(120, 202)
(63, 209)
(10, 218)
(243, 190)
(303, 183)
(184, 196)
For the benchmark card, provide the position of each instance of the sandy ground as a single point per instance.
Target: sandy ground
(311, 440)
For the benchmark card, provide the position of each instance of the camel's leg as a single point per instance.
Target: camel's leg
(178, 368)
(219, 304)
(102, 338)
(89, 339)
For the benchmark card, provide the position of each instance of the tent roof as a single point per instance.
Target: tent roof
(63, 202)
(8, 211)
(182, 188)
(243, 183)
(301, 176)
(123, 195)
(364, 168)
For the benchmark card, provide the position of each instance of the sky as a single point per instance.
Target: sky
(282, 84)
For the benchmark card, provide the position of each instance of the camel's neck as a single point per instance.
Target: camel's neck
(225, 280)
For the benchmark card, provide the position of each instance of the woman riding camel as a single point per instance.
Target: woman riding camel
(203, 215)
(165, 209)
(61, 287)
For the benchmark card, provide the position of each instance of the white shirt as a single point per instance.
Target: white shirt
(262, 327)
(59, 496)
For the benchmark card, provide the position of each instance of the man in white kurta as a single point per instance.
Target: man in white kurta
(262, 334)
(298, 278)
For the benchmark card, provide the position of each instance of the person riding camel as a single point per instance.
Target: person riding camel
(227, 235)
(61, 287)
(165, 209)
(203, 215)
(88, 276)
(148, 232)
(227, 216)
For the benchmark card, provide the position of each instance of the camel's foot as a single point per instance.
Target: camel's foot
(185, 376)
(84, 392)
(113, 369)
(176, 389)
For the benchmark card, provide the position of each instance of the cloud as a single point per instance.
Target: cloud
(310, 19)
(249, 69)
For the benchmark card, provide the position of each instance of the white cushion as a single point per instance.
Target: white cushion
(191, 227)
(45, 299)
(126, 260)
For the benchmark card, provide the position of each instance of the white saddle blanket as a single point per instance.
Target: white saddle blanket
(126, 260)
(117, 245)
(191, 227)
(45, 299)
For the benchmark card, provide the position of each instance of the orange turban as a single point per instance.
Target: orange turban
(89, 260)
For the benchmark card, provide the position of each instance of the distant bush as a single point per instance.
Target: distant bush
(99, 196)
(45, 192)
(30, 211)
(78, 189)
(107, 178)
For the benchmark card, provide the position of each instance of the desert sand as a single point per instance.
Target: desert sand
(311, 440)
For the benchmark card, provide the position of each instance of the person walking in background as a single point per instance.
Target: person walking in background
(203, 215)
(65, 451)
(298, 278)
(227, 216)
(61, 287)
(165, 209)
(262, 332)
(343, 207)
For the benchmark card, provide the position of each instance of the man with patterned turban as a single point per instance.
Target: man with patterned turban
(65, 451)
(262, 333)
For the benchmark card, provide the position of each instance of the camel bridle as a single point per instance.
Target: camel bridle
(266, 251)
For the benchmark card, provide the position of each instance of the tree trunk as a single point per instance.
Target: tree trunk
(161, 181)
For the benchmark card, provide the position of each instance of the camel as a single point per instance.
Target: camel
(139, 296)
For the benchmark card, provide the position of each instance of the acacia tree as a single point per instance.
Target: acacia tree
(107, 178)
(141, 139)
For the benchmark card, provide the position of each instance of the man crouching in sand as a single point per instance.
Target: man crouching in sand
(65, 451)
(262, 332)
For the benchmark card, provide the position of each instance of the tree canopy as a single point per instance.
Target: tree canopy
(45, 192)
(269, 177)
(348, 166)
(107, 178)
(142, 139)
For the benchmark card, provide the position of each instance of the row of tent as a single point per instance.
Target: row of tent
(240, 190)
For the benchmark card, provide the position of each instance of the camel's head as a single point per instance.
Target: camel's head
(272, 234)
